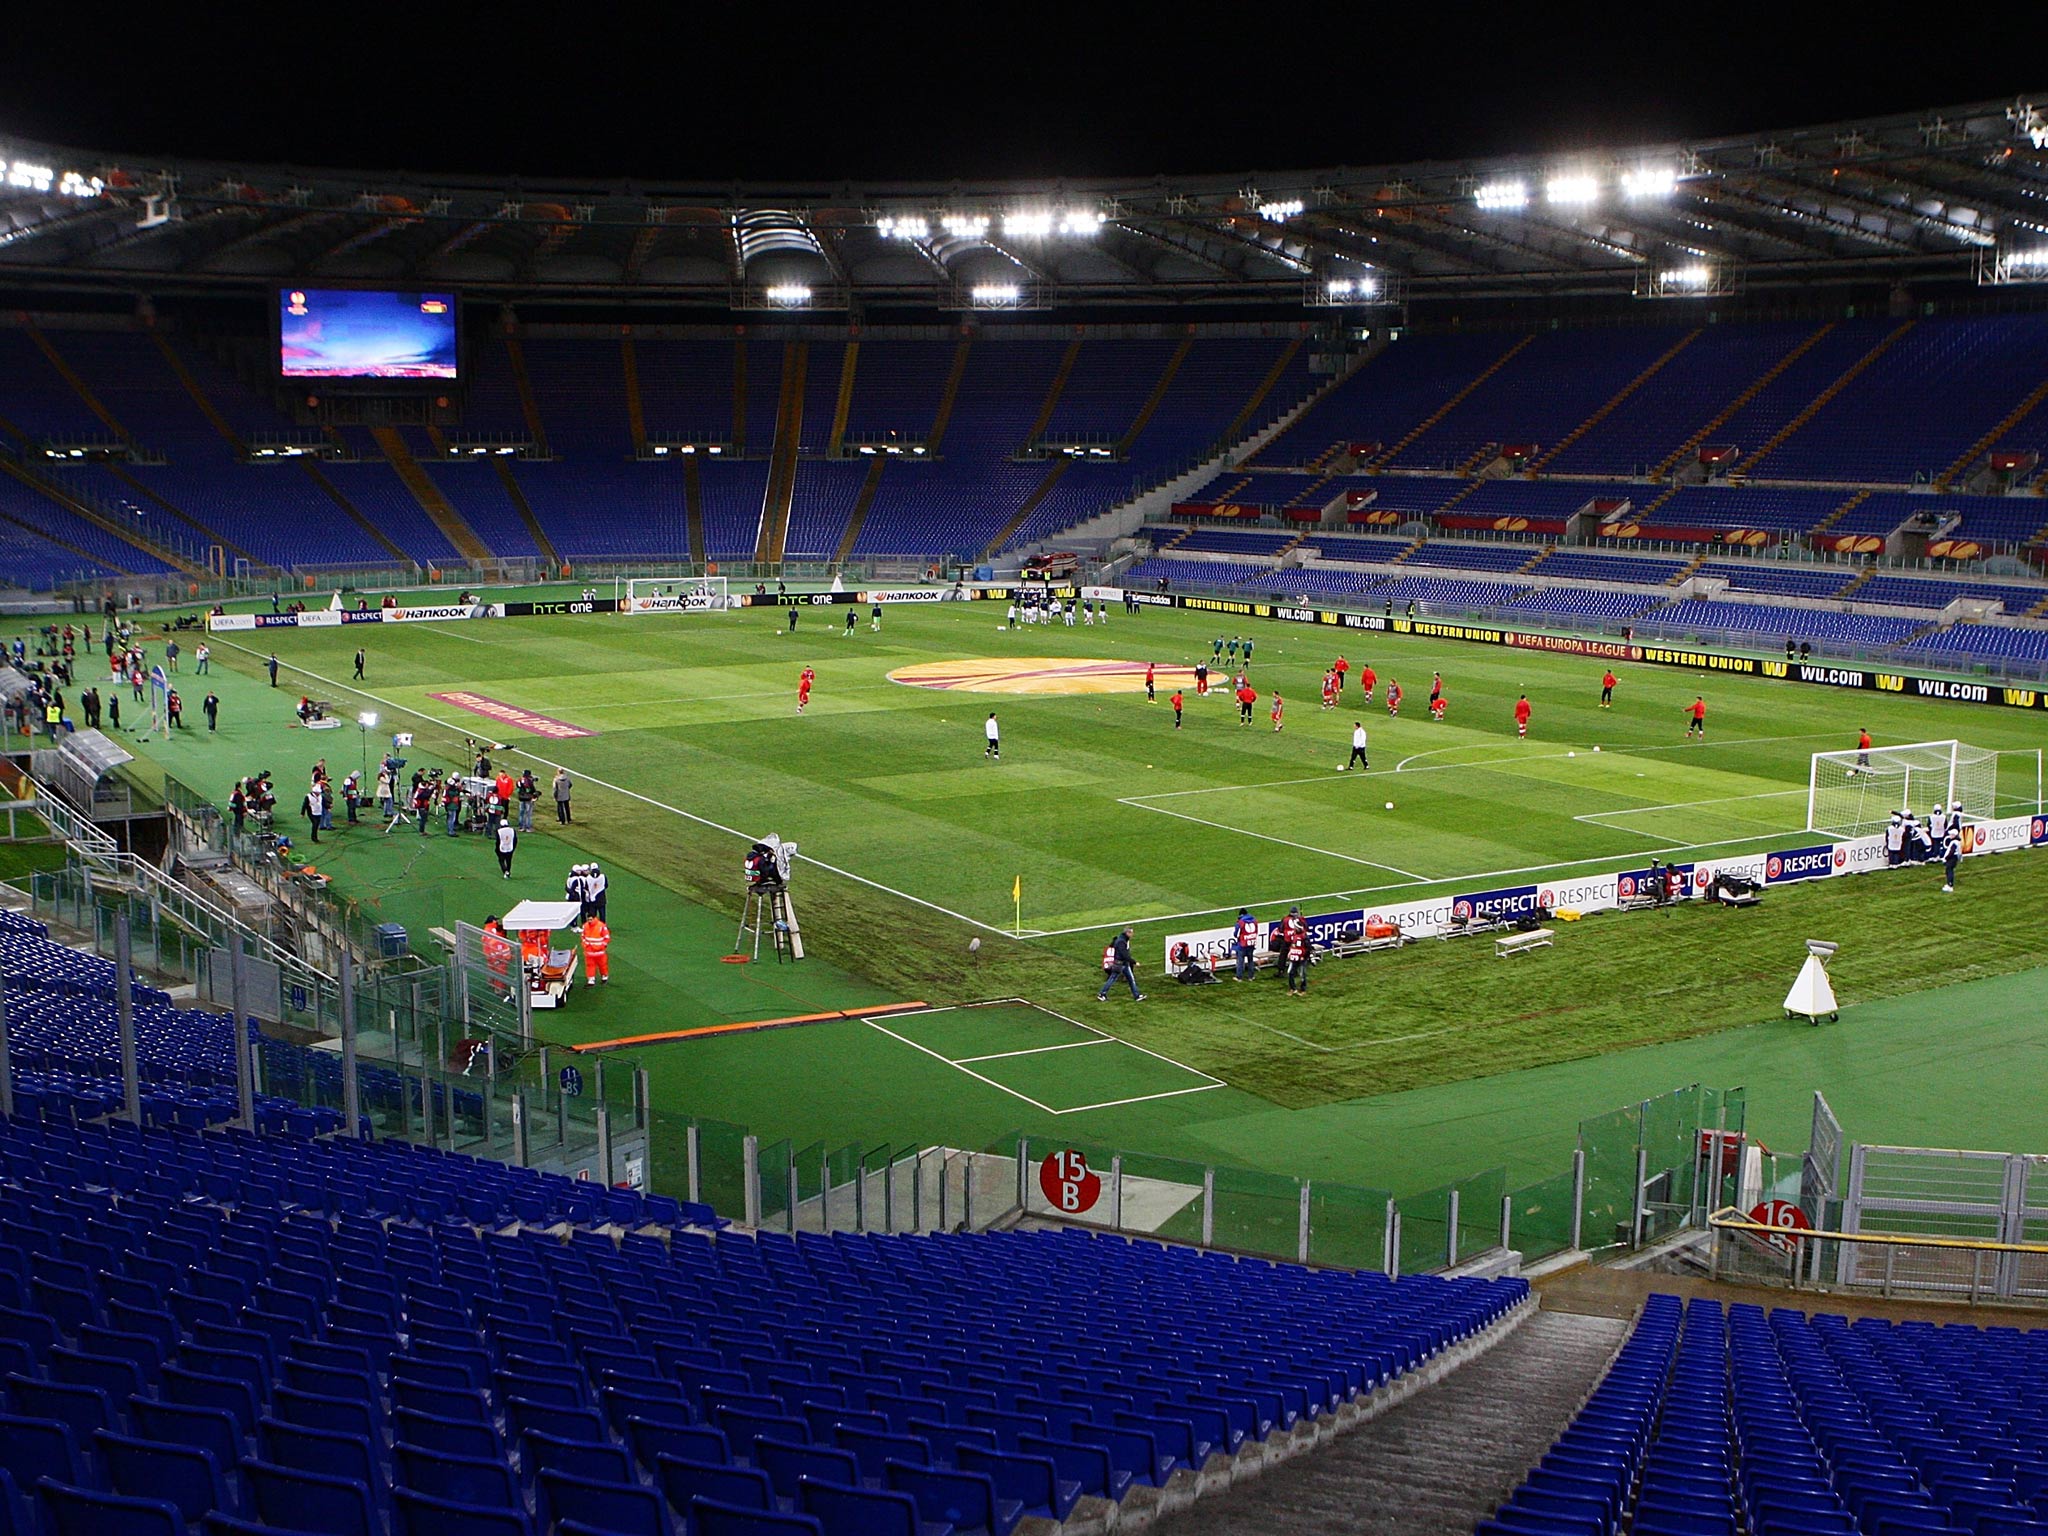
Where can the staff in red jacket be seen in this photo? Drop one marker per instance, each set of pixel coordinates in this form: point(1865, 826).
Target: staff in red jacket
point(1522, 715)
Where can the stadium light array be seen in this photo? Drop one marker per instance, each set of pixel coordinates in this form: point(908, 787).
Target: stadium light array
point(1503, 194)
point(995, 295)
point(1352, 287)
point(1571, 191)
point(1039, 223)
point(903, 226)
point(1281, 212)
point(1649, 181)
point(1693, 277)
point(965, 226)
point(2034, 259)
point(790, 295)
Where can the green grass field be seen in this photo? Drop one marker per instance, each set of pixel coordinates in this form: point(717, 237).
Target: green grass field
point(1107, 814)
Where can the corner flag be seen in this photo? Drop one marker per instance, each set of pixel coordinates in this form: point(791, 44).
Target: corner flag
point(1017, 896)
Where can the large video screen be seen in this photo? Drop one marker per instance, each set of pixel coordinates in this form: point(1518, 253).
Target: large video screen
point(358, 333)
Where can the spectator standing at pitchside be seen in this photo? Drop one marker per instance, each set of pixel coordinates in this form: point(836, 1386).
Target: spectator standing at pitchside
point(508, 841)
point(994, 750)
point(562, 788)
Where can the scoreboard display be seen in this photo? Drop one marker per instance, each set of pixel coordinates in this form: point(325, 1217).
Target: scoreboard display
point(367, 334)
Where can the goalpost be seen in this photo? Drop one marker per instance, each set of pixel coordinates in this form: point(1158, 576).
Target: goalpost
point(1854, 793)
point(675, 594)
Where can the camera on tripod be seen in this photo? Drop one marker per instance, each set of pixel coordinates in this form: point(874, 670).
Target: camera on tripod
point(768, 863)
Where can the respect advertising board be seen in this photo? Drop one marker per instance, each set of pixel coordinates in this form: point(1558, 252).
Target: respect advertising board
point(334, 618)
point(1440, 916)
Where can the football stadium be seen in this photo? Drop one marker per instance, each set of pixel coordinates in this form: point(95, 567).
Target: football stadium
point(1356, 850)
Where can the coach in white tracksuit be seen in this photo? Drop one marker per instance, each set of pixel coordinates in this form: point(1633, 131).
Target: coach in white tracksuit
point(995, 745)
point(1357, 744)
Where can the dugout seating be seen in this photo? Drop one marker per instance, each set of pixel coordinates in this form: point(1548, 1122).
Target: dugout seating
point(206, 1326)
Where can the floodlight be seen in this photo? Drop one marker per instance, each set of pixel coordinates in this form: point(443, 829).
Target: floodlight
point(689, 448)
point(1280, 212)
point(660, 449)
point(1573, 190)
point(714, 448)
point(892, 449)
point(1079, 221)
point(1649, 181)
point(1697, 276)
point(1502, 194)
point(994, 294)
point(367, 720)
point(903, 226)
point(2037, 257)
point(965, 226)
point(1028, 222)
point(792, 294)
point(26, 174)
point(72, 184)
point(868, 448)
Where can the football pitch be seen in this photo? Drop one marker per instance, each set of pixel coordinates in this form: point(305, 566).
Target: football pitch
point(683, 736)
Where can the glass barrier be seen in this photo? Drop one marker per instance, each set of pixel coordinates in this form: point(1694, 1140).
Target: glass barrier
point(771, 1174)
point(1425, 1230)
point(1257, 1213)
point(1540, 1218)
point(1609, 1143)
point(1479, 1200)
point(1347, 1226)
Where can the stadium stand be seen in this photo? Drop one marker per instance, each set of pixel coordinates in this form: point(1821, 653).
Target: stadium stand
point(1854, 629)
point(1452, 555)
point(1979, 640)
point(1577, 565)
point(1195, 573)
point(1591, 602)
point(1388, 397)
point(1778, 578)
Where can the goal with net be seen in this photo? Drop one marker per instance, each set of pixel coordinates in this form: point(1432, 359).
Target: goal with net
point(1854, 793)
point(674, 594)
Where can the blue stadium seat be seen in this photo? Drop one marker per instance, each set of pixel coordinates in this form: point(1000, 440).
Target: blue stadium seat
point(620, 1508)
point(306, 1501)
point(540, 1452)
point(458, 1479)
point(708, 1518)
point(179, 1475)
point(967, 1501)
point(682, 1481)
point(695, 1442)
point(419, 1514)
point(329, 1452)
point(32, 1448)
point(70, 1511)
point(786, 1461)
point(1032, 1481)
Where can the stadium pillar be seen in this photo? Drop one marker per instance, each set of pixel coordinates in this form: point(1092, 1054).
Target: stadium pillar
point(519, 1135)
point(427, 1132)
point(602, 1116)
point(1451, 1229)
point(1578, 1195)
point(1116, 1192)
point(693, 1150)
point(245, 1067)
point(750, 1178)
point(351, 1101)
point(1023, 1174)
point(6, 1060)
point(1302, 1231)
point(124, 1016)
point(1208, 1206)
point(1393, 1241)
point(1507, 1221)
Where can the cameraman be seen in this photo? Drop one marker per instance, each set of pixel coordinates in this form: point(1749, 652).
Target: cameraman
point(1244, 945)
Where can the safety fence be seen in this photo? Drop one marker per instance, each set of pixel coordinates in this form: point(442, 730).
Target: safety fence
point(1888, 1264)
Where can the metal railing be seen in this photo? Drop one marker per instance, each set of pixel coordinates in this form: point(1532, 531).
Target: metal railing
point(1887, 1263)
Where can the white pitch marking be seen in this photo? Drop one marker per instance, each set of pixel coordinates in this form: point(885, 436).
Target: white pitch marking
point(1267, 837)
point(1071, 1045)
point(991, 1082)
point(1143, 1098)
point(1601, 818)
point(660, 805)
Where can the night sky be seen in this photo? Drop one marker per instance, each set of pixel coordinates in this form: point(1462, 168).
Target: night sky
point(766, 92)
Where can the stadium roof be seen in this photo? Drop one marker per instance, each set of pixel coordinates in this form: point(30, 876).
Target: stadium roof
point(1957, 193)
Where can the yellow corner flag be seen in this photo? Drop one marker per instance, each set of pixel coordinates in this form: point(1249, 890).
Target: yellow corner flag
point(1017, 896)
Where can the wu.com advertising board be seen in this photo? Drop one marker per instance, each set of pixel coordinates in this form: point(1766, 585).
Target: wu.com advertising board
point(1440, 915)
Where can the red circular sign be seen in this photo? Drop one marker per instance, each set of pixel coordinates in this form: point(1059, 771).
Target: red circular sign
point(1784, 1215)
point(1070, 1186)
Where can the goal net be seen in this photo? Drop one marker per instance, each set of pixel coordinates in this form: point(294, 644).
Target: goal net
point(1853, 794)
point(675, 594)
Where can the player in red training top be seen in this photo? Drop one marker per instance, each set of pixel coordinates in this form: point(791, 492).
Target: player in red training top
point(1436, 701)
point(1369, 680)
point(1340, 668)
point(1149, 694)
point(1522, 715)
point(1247, 696)
point(1279, 704)
point(1393, 696)
point(803, 688)
point(1329, 690)
point(1607, 682)
point(1696, 718)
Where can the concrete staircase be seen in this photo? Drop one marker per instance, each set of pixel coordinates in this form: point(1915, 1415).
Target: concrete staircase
point(1727, 412)
point(453, 525)
point(1437, 1462)
point(1842, 511)
point(1984, 444)
point(1454, 402)
point(529, 404)
point(1814, 406)
point(1151, 406)
point(636, 414)
point(1617, 397)
point(516, 494)
point(1687, 572)
point(1243, 419)
point(789, 426)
